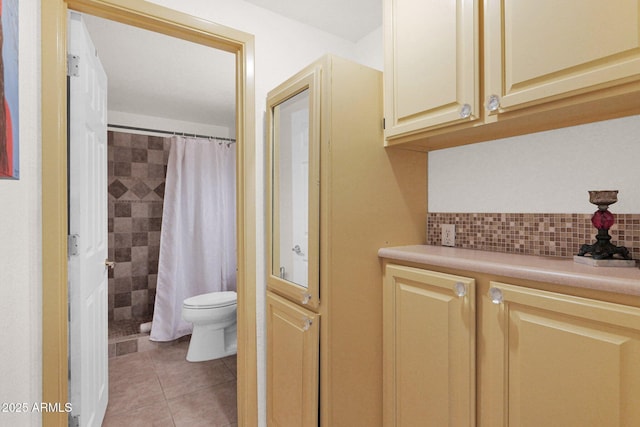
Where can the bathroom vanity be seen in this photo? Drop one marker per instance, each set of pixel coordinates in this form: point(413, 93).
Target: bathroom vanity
point(475, 338)
point(335, 196)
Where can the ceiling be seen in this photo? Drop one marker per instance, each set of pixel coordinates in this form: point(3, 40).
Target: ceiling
point(156, 75)
point(347, 19)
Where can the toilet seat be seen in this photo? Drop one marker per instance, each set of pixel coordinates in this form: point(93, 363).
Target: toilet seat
point(211, 300)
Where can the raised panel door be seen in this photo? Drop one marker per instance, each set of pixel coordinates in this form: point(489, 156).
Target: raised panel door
point(429, 348)
point(431, 64)
point(541, 50)
point(557, 360)
point(293, 335)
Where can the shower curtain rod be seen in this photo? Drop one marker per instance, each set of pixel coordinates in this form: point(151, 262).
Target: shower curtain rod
point(167, 132)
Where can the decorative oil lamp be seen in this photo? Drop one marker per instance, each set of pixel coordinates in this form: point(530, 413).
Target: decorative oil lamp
point(603, 220)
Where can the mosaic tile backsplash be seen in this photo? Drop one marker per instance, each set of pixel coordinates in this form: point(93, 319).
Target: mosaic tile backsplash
point(137, 170)
point(559, 235)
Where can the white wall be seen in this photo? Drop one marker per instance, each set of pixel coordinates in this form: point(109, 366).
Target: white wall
point(20, 241)
point(546, 172)
point(369, 50)
point(161, 123)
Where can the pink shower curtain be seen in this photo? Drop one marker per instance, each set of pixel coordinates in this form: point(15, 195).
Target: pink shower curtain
point(197, 241)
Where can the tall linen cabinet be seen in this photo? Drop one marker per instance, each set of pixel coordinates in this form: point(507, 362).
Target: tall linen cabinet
point(335, 196)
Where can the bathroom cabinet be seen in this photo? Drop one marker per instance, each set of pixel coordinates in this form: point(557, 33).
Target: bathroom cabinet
point(429, 348)
point(541, 357)
point(293, 371)
point(335, 195)
point(468, 71)
point(431, 65)
point(554, 359)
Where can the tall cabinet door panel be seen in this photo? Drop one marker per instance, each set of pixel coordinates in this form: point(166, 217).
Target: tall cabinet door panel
point(293, 190)
point(293, 335)
point(558, 360)
point(431, 64)
point(537, 50)
point(429, 348)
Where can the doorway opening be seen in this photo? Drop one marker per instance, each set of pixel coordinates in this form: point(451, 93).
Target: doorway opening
point(166, 21)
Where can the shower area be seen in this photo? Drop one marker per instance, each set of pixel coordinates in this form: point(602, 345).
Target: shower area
point(137, 172)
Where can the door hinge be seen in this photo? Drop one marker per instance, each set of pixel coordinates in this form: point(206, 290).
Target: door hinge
point(73, 65)
point(74, 420)
point(72, 244)
point(384, 124)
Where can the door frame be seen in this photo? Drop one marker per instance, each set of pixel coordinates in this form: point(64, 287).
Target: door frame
point(54, 183)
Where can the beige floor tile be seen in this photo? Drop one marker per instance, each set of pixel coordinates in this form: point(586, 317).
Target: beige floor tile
point(210, 406)
point(160, 387)
point(174, 353)
point(231, 363)
point(182, 377)
point(139, 391)
point(155, 415)
point(123, 366)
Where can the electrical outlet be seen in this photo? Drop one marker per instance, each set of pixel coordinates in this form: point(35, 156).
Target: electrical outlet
point(448, 234)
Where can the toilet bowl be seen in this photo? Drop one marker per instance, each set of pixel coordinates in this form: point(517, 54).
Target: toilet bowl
point(214, 325)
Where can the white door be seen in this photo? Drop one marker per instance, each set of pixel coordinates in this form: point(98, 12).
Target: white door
point(88, 350)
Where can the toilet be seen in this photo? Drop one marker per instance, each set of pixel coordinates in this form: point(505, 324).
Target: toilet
point(214, 325)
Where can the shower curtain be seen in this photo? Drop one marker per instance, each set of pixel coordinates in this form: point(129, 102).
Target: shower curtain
point(197, 239)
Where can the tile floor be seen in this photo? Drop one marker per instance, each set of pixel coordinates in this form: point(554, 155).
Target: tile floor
point(160, 388)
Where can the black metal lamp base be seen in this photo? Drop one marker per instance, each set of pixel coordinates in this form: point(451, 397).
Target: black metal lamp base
point(603, 248)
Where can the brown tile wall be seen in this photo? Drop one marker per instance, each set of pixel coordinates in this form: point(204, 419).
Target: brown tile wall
point(137, 170)
point(559, 235)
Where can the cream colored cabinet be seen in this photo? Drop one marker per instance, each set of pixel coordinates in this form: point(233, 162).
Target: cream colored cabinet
point(294, 184)
point(539, 358)
point(293, 334)
point(544, 65)
point(429, 348)
point(558, 360)
point(537, 51)
point(334, 197)
point(431, 64)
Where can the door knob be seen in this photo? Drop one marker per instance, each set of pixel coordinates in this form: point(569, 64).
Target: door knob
point(110, 264)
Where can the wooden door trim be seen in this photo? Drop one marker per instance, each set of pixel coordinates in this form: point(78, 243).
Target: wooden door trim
point(54, 183)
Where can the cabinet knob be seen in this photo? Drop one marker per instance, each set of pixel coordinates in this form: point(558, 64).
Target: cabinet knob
point(460, 289)
point(495, 295)
point(493, 103)
point(465, 111)
point(307, 324)
point(306, 297)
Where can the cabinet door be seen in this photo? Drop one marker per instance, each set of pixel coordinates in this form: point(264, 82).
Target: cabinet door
point(293, 335)
point(431, 64)
point(293, 189)
point(557, 360)
point(429, 348)
point(538, 50)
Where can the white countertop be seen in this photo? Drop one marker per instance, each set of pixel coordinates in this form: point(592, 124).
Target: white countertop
point(561, 271)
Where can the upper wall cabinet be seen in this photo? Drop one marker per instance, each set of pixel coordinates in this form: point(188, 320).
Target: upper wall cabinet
point(537, 51)
point(431, 64)
point(544, 65)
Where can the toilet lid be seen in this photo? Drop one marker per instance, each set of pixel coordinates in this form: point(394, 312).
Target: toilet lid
point(212, 299)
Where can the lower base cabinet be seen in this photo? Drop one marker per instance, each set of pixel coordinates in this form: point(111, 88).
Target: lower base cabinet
point(428, 348)
point(558, 360)
point(540, 358)
point(293, 334)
